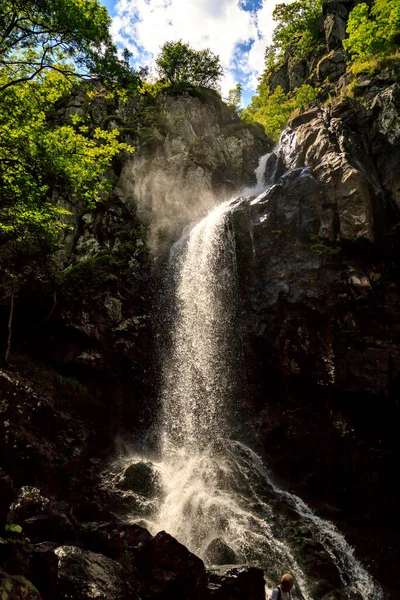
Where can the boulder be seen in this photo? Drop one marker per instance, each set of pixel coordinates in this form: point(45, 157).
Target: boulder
point(15, 587)
point(140, 477)
point(52, 526)
point(86, 575)
point(219, 553)
point(44, 568)
point(29, 503)
point(112, 539)
point(166, 569)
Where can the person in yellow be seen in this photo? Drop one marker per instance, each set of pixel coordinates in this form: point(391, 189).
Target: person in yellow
point(283, 591)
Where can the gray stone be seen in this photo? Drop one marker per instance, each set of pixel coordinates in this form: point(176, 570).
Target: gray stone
point(87, 575)
point(219, 553)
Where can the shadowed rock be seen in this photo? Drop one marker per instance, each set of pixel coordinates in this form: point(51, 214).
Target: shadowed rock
point(219, 553)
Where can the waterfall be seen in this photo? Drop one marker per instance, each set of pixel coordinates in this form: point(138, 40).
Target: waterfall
point(218, 497)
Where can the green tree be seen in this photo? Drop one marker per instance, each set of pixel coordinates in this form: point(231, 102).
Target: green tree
point(179, 63)
point(66, 35)
point(45, 49)
point(375, 31)
point(235, 97)
point(298, 28)
point(273, 110)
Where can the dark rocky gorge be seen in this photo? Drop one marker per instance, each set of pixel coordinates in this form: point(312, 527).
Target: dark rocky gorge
point(319, 324)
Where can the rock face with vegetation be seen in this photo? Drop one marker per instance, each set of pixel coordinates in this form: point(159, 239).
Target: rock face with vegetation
point(82, 370)
point(318, 283)
point(321, 317)
point(192, 148)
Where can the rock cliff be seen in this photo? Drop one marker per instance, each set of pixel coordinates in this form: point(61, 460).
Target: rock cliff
point(320, 315)
point(84, 370)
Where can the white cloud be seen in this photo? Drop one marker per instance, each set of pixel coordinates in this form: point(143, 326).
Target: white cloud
point(237, 36)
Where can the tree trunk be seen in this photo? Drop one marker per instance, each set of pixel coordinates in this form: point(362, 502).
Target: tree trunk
point(54, 304)
point(10, 318)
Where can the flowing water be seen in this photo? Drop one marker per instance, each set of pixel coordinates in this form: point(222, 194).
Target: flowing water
point(217, 495)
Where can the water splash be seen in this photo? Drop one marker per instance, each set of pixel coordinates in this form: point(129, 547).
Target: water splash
point(215, 488)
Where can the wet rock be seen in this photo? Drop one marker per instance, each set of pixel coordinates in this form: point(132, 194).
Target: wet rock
point(85, 575)
point(53, 526)
point(28, 503)
point(112, 539)
point(319, 287)
point(166, 569)
point(43, 568)
point(15, 587)
point(219, 553)
point(141, 478)
point(238, 583)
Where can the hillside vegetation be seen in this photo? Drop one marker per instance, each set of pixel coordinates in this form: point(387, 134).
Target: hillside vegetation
point(312, 48)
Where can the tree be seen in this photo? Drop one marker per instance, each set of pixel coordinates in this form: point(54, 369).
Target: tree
point(297, 28)
point(273, 110)
point(46, 47)
point(373, 32)
point(179, 63)
point(235, 97)
point(71, 36)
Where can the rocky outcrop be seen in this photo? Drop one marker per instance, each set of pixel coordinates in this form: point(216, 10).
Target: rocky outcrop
point(193, 142)
point(320, 315)
point(85, 575)
point(83, 370)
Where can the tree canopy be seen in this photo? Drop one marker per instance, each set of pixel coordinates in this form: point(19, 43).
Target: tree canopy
point(179, 63)
point(48, 162)
point(297, 28)
point(235, 97)
point(71, 36)
point(374, 31)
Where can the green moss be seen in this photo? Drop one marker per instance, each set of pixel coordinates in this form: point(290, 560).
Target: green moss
point(322, 249)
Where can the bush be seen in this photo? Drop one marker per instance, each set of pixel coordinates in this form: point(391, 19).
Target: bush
point(273, 110)
point(179, 63)
point(375, 31)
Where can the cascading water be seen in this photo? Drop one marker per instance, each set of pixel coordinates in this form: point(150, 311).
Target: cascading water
point(217, 496)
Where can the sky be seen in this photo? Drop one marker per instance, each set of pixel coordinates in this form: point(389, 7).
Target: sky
point(238, 31)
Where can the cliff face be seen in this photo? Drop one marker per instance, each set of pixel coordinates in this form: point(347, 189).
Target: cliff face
point(318, 282)
point(84, 370)
point(320, 314)
point(192, 150)
point(86, 339)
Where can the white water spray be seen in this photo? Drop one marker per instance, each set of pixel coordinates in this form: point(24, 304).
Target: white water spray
point(214, 488)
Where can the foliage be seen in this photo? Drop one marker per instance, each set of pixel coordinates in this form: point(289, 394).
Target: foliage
point(374, 31)
point(297, 29)
point(13, 528)
point(179, 63)
point(235, 97)
point(40, 163)
point(273, 110)
point(64, 35)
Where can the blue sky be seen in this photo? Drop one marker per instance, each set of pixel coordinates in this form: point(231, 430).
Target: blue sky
point(238, 31)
